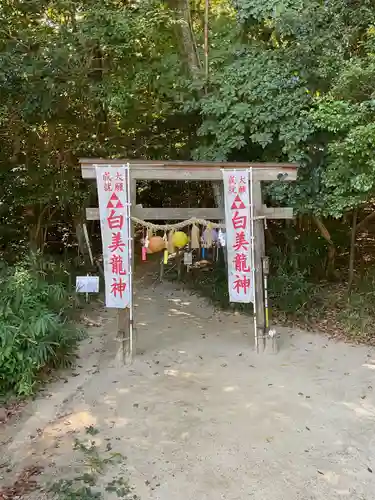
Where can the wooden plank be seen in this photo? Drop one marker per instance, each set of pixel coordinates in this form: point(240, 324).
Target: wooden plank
point(166, 213)
point(197, 173)
point(184, 164)
point(277, 213)
point(213, 214)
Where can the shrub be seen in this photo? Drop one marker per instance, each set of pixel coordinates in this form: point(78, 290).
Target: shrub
point(35, 329)
point(290, 291)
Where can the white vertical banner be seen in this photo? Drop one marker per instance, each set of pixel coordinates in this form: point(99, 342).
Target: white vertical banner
point(112, 184)
point(239, 238)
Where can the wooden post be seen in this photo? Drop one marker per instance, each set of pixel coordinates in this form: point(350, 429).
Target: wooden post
point(133, 201)
point(123, 334)
point(218, 189)
point(259, 254)
point(179, 264)
point(125, 324)
point(161, 275)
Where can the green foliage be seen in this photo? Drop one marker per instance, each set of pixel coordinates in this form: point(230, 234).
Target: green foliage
point(258, 97)
point(347, 114)
point(288, 80)
point(35, 331)
point(296, 293)
point(292, 290)
point(86, 78)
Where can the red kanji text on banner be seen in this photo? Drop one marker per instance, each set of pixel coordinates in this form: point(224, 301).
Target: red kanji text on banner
point(112, 194)
point(239, 240)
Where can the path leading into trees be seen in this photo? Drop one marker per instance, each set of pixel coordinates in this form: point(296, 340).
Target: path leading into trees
point(201, 416)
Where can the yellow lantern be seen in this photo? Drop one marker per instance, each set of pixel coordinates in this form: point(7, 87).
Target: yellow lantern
point(156, 244)
point(179, 239)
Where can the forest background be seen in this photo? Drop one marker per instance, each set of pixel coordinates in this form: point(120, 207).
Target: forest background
point(285, 80)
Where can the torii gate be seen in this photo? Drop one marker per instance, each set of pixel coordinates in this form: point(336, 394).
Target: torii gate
point(202, 171)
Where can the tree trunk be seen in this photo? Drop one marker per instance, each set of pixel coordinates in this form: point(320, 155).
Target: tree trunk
point(36, 233)
point(186, 35)
point(78, 227)
point(352, 250)
point(292, 245)
point(330, 268)
point(362, 224)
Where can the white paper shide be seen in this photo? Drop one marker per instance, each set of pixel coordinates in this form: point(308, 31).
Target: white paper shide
point(238, 235)
point(112, 183)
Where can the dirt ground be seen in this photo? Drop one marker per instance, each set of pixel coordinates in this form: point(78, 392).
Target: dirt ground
point(201, 416)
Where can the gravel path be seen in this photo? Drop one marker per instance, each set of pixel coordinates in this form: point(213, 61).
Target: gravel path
point(201, 416)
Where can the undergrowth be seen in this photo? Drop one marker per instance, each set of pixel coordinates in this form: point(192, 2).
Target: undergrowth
point(295, 299)
point(36, 331)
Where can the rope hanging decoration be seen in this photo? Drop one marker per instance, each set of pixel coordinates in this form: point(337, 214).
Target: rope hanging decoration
point(202, 241)
point(210, 238)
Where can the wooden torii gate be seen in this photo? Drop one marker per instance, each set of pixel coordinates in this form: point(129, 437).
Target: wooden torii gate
point(203, 171)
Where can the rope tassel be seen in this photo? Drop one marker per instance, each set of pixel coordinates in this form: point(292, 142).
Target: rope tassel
point(194, 243)
point(170, 245)
point(208, 236)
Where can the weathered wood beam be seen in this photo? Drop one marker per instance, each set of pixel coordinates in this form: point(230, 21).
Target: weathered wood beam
point(197, 172)
point(187, 213)
point(185, 164)
point(277, 213)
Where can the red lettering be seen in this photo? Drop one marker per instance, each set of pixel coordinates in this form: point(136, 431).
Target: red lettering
point(241, 242)
point(241, 283)
point(239, 221)
point(117, 264)
point(117, 243)
point(115, 221)
point(240, 263)
point(119, 186)
point(107, 179)
point(118, 287)
point(232, 189)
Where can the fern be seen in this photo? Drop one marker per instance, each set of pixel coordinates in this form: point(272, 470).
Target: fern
point(35, 329)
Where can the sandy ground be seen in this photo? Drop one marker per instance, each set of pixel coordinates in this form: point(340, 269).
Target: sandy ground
point(201, 416)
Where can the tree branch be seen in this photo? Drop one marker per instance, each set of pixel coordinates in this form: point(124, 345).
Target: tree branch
point(364, 221)
point(323, 230)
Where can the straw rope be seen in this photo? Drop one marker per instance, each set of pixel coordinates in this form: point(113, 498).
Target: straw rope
point(177, 225)
point(182, 224)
